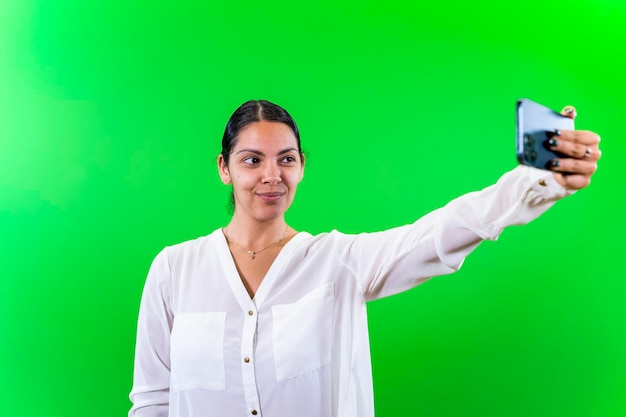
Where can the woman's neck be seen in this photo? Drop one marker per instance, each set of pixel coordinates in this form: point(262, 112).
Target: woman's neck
point(253, 234)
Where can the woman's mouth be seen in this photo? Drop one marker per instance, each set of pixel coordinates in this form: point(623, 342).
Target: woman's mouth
point(270, 197)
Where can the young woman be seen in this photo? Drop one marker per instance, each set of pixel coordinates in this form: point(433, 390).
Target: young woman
point(257, 319)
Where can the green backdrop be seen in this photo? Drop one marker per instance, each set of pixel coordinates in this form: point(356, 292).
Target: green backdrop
point(111, 115)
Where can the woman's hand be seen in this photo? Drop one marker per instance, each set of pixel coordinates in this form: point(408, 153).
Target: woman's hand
point(583, 148)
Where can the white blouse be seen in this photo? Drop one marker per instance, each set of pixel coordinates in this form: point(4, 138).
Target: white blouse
point(300, 347)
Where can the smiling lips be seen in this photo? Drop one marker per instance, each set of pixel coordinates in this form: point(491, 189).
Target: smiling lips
point(270, 197)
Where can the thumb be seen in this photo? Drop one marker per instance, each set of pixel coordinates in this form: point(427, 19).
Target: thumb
point(569, 111)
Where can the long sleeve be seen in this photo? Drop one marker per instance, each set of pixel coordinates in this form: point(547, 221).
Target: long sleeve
point(150, 393)
point(395, 260)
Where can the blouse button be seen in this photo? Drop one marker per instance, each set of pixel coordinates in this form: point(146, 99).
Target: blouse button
point(250, 313)
point(254, 412)
point(246, 359)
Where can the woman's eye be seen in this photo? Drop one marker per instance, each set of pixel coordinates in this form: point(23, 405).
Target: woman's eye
point(251, 160)
point(289, 159)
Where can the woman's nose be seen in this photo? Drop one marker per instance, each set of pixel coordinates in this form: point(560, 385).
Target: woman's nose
point(271, 174)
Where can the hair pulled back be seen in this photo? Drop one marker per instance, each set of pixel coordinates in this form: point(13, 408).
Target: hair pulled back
point(255, 111)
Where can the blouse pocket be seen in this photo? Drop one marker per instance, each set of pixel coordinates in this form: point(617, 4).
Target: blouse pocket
point(197, 351)
point(302, 333)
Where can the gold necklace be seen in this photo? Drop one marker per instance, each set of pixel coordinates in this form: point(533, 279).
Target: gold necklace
point(251, 253)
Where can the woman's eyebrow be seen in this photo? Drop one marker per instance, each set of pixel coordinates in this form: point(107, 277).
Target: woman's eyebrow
point(254, 151)
point(287, 151)
point(257, 152)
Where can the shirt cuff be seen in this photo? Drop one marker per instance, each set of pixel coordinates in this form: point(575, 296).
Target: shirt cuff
point(543, 185)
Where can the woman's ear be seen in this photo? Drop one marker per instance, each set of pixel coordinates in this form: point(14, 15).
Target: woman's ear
point(303, 159)
point(222, 168)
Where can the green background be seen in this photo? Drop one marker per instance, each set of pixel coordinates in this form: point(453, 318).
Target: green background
point(111, 115)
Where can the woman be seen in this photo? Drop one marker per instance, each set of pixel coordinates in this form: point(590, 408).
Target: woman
point(258, 319)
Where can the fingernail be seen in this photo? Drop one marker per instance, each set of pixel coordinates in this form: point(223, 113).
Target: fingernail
point(555, 132)
point(569, 110)
point(553, 142)
point(555, 163)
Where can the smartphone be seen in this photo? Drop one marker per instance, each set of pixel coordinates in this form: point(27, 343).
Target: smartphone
point(536, 124)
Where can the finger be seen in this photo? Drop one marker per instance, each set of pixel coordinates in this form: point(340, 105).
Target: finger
point(584, 137)
point(572, 182)
point(575, 150)
point(569, 111)
point(574, 166)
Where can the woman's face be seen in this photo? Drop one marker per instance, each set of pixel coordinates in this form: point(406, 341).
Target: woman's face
point(264, 168)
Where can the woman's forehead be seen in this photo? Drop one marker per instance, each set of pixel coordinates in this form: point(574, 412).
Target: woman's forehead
point(266, 134)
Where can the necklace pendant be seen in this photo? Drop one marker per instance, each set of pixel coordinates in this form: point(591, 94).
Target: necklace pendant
point(252, 255)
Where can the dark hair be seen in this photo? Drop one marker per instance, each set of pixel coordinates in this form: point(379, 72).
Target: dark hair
point(255, 111)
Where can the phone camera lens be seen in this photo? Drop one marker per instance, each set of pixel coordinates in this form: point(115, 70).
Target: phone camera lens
point(530, 148)
point(530, 155)
point(528, 140)
point(533, 155)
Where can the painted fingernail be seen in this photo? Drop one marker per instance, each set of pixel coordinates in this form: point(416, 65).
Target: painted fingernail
point(553, 142)
point(553, 133)
point(554, 163)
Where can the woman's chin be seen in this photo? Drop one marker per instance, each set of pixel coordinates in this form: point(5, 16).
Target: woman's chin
point(270, 213)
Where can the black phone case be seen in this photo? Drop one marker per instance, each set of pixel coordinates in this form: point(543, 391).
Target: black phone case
point(536, 124)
